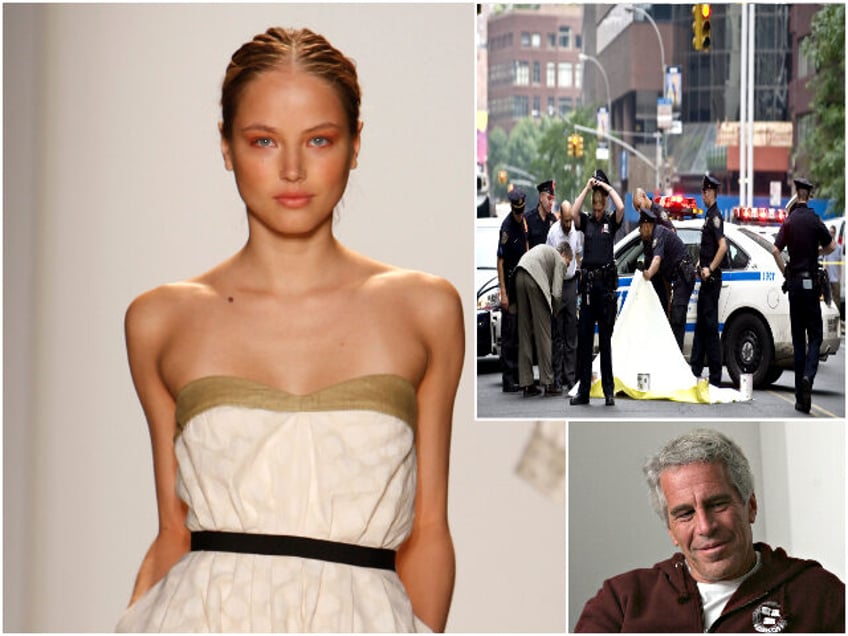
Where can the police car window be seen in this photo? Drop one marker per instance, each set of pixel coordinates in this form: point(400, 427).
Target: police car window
point(628, 256)
point(692, 239)
point(735, 258)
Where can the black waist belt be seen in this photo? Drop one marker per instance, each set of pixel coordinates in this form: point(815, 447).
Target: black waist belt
point(287, 545)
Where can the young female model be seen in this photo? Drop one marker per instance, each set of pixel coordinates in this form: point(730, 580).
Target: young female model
point(299, 395)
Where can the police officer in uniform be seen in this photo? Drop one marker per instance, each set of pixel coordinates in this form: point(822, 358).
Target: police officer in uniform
point(805, 237)
point(710, 256)
point(641, 201)
point(512, 246)
point(669, 260)
point(541, 218)
point(598, 284)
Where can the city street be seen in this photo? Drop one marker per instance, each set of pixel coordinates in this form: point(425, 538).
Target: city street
point(775, 402)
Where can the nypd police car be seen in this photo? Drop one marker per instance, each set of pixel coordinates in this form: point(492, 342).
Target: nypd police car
point(753, 310)
point(487, 286)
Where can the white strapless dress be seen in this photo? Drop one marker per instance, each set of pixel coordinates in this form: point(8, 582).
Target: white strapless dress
point(338, 464)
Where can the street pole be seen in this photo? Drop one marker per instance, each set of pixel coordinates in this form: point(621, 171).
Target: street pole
point(633, 8)
point(583, 57)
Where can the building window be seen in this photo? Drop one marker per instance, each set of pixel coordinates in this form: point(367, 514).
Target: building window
point(537, 73)
point(522, 73)
point(805, 64)
point(551, 74)
point(536, 105)
point(578, 75)
point(578, 41)
point(551, 40)
point(520, 106)
point(536, 40)
point(551, 106)
point(565, 73)
point(565, 106)
point(565, 37)
point(525, 39)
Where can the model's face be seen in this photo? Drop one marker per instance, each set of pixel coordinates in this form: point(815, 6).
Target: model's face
point(709, 196)
point(291, 151)
point(546, 200)
point(709, 522)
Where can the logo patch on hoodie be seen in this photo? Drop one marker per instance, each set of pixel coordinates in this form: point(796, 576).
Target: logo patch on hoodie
point(768, 618)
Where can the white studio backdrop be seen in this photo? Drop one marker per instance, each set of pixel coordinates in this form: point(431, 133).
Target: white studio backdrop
point(114, 184)
point(799, 480)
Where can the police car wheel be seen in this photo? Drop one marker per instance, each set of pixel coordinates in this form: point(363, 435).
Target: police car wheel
point(773, 375)
point(748, 349)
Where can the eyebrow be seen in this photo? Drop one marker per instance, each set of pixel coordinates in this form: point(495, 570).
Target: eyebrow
point(723, 497)
point(266, 128)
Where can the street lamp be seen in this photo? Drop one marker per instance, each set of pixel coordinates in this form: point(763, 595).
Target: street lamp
point(632, 9)
point(583, 57)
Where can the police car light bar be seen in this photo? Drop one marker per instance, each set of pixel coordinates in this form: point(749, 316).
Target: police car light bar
point(759, 215)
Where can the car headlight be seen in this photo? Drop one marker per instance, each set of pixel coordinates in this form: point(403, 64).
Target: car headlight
point(489, 300)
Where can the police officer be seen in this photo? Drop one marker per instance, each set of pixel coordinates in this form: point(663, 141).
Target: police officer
point(512, 246)
point(641, 201)
point(805, 237)
point(710, 255)
point(598, 284)
point(669, 261)
point(541, 218)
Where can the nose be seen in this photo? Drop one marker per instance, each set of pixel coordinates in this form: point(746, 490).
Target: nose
point(704, 522)
point(292, 168)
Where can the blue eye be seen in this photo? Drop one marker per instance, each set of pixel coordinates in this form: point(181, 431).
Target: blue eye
point(319, 142)
point(263, 142)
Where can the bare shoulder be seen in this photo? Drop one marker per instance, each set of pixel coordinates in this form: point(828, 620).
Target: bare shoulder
point(426, 292)
point(154, 314)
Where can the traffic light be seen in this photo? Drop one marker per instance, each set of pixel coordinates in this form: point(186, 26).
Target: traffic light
point(701, 27)
point(571, 145)
point(578, 146)
point(502, 177)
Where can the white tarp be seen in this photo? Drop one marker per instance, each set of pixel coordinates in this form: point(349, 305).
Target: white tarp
point(643, 344)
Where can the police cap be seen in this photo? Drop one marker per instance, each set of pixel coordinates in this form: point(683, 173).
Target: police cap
point(516, 198)
point(710, 183)
point(600, 175)
point(647, 216)
point(801, 183)
point(546, 186)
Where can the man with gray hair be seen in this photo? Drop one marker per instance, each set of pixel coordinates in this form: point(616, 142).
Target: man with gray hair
point(702, 487)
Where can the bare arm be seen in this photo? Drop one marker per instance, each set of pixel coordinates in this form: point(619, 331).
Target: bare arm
point(145, 329)
point(717, 259)
point(502, 284)
point(652, 270)
point(425, 562)
point(778, 258)
point(619, 204)
point(578, 204)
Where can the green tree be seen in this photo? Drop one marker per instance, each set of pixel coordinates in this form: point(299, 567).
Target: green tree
point(825, 146)
point(552, 158)
point(518, 149)
point(497, 140)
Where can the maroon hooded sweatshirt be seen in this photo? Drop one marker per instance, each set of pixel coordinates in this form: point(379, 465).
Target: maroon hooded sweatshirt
point(784, 595)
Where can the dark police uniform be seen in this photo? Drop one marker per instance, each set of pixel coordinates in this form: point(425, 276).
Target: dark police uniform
point(537, 227)
point(676, 268)
point(706, 342)
point(802, 234)
point(598, 305)
point(511, 247)
point(660, 283)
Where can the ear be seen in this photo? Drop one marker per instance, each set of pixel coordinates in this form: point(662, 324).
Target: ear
point(752, 508)
point(225, 148)
point(354, 161)
point(673, 540)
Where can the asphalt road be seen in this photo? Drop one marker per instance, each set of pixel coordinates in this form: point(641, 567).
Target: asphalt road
point(775, 402)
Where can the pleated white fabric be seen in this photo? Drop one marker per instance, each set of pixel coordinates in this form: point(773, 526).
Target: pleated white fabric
point(338, 464)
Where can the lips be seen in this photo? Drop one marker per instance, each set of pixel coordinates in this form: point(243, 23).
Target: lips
point(293, 199)
point(712, 549)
